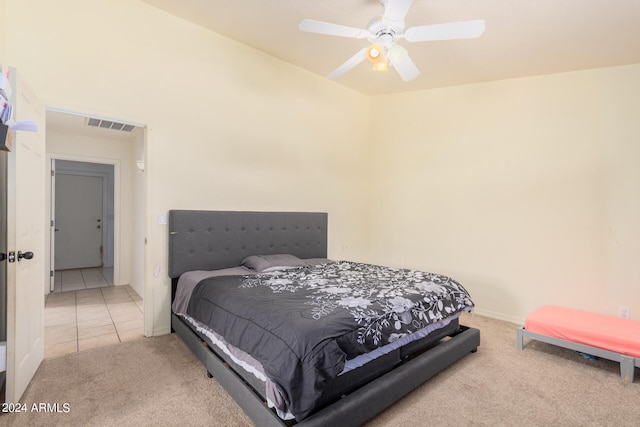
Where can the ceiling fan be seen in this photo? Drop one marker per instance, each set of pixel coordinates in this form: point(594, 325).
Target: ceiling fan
point(384, 31)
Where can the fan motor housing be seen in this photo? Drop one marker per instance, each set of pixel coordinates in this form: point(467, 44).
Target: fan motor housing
point(379, 27)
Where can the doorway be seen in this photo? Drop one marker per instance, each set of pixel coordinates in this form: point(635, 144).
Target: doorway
point(96, 292)
point(83, 198)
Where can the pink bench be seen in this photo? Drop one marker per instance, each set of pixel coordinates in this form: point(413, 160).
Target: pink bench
point(599, 335)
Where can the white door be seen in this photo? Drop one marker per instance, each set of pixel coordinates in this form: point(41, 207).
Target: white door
point(25, 233)
point(78, 221)
point(52, 229)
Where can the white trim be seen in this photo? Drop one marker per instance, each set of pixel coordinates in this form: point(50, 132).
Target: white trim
point(148, 297)
point(116, 201)
point(499, 316)
point(105, 203)
point(52, 226)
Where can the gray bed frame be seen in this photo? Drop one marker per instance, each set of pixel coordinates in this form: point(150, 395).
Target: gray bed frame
point(209, 240)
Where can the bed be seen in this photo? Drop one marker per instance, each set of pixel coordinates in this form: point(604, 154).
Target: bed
point(221, 258)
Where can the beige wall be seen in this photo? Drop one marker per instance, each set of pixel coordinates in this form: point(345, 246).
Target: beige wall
point(228, 127)
point(3, 29)
point(526, 190)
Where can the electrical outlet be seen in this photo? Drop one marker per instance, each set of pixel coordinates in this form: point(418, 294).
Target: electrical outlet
point(623, 312)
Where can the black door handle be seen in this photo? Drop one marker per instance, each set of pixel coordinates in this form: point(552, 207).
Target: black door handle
point(26, 255)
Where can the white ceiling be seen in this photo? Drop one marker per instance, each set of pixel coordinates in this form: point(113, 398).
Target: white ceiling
point(522, 37)
point(76, 124)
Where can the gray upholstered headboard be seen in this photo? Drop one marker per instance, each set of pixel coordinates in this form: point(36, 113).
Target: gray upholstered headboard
point(210, 240)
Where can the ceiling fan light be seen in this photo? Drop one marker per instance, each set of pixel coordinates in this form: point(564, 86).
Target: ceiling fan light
point(397, 54)
point(381, 65)
point(374, 53)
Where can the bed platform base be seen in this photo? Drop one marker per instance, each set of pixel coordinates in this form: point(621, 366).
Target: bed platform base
point(627, 363)
point(353, 409)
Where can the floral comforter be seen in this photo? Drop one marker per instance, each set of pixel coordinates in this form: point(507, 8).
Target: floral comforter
point(302, 324)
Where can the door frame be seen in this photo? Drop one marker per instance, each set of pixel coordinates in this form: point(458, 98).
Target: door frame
point(51, 158)
point(104, 211)
point(142, 156)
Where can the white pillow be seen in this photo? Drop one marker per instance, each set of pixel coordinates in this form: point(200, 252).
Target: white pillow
point(261, 263)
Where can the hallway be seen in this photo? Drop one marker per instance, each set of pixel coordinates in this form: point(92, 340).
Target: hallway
point(87, 318)
point(83, 278)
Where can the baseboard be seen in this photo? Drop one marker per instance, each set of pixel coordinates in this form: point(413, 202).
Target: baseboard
point(161, 331)
point(499, 316)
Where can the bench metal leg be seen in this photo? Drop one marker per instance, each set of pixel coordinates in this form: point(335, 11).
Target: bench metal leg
point(627, 366)
point(519, 339)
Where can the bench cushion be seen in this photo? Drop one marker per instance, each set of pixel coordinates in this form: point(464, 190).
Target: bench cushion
point(597, 330)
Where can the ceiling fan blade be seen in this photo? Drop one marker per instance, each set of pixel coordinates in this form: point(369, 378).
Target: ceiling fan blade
point(450, 31)
point(312, 26)
point(399, 58)
point(351, 63)
point(396, 10)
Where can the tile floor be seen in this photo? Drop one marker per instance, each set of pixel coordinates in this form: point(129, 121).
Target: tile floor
point(77, 320)
point(85, 278)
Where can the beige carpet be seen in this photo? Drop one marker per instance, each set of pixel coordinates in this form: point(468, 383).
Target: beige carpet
point(157, 381)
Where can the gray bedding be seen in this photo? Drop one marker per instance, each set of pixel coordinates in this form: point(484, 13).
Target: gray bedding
point(303, 324)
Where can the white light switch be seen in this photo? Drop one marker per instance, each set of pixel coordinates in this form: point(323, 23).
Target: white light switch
point(163, 219)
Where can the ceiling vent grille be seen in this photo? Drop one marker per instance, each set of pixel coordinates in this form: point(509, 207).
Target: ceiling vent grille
point(108, 124)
